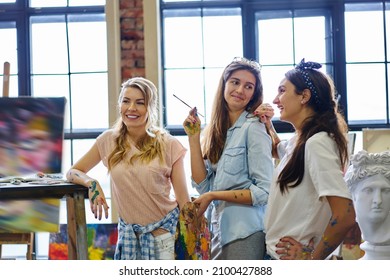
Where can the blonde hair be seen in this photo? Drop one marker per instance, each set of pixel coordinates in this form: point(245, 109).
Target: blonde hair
point(150, 146)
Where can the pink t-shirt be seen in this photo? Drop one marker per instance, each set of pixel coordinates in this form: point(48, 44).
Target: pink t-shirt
point(142, 192)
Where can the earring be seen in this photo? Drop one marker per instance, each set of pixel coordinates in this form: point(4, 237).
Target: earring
point(302, 102)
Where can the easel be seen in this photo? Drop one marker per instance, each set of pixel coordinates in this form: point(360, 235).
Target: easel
point(15, 238)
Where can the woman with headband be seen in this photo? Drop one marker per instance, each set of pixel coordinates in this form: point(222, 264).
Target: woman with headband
point(309, 209)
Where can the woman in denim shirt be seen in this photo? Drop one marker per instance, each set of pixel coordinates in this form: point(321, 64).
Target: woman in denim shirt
point(232, 168)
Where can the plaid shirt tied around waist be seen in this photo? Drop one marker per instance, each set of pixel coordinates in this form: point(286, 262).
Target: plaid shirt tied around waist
point(126, 248)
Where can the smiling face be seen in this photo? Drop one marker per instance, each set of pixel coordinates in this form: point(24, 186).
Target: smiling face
point(133, 108)
point(239, 90)
point(288, 102)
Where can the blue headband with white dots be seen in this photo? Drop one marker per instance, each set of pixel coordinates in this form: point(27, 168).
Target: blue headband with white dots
point(302, 67)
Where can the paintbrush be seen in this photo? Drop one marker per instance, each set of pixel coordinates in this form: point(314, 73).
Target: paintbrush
point(187, 105)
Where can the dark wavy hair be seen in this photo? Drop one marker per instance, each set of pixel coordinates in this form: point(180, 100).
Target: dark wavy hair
point(326, 117)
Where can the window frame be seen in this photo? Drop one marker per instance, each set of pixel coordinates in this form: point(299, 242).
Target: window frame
point(20, 12)
point(337, 54)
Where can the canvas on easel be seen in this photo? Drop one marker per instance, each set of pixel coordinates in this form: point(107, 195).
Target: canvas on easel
point(31, 142)
point(31, 135)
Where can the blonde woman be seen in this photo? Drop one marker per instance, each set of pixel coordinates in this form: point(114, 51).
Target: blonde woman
point(144, 163)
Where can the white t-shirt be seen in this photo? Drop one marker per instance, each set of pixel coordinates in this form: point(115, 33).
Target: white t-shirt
point(303, 212)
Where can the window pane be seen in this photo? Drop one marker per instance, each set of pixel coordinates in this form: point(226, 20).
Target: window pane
point(202, 36)
point(87, 41)
point(271, 51)
point(291, 43)
point(13, 85)
point(183, 39)
point(361, 108)
point(200, 94)
point(87, 2)
point(53, 86)
point(196, 59)
point(8, 53)
point(310, 39)
point(177, 82)
point(364, 35)
point(388, 98)
point(222, 28)
point(63, 3)
point(45, 3)
point(212, 77)
point(49, 45)
point(89, 101)
point(80, 147)
point(278, 54)
point(387, 15)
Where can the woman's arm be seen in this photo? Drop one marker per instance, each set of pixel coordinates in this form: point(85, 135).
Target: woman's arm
point(236, 196)
point(275, 138)
point(192, 126)
point(77, 174)
point(342, 220)
point(179, 183)
point(265, 112)
point(260, 163)
point(259, 172)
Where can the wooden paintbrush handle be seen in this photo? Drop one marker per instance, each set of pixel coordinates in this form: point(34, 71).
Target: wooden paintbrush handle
point(6, 75)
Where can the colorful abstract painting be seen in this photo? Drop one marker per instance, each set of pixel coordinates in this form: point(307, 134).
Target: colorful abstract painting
point(192, 235)
point(42, 215)
point(31, 135)
point(101, 240)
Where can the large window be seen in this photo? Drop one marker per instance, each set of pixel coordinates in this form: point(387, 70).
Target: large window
point(350, 39)
point(59, 49)
point(283, 40)
point(367, 63)
point(193, 60)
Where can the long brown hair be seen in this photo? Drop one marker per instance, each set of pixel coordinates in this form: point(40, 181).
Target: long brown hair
point(326, 117)
point(216, 131)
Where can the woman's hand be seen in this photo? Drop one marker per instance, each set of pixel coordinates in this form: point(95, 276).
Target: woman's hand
point(97, 200)
point(290, 249)
point(202, 202)
point(265, 112)
point(192, 123)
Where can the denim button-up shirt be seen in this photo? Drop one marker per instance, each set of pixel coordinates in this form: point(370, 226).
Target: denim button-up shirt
point(246, 163)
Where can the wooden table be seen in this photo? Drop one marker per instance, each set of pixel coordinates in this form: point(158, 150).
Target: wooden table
point(76, 221)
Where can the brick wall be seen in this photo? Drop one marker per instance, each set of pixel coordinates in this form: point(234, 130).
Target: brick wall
point(132, 39)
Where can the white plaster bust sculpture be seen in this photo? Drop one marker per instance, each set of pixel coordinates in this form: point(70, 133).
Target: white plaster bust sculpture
point(368, 178)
